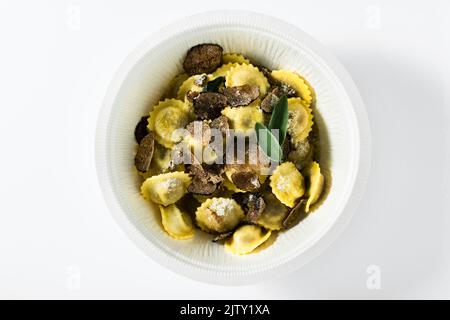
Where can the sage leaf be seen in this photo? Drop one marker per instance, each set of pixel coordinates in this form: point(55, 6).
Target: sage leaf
point(214, 85)
point(279, 118)
point(268, 142)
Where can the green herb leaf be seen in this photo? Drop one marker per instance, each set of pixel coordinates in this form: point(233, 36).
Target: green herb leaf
point(279, 118)
point(214, 85)
point(268, 142)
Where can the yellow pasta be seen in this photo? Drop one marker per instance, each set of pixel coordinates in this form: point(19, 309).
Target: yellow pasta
point(230, 169)
point(234, 58)
point(300, 120)
point(166, 188)
point(247, 74)
point(168, 116)
point(243, 119)
point(287, 184)
point(316, 181)
point(223, 70)
point(296, 82)
point(246, 239)
point(274, 214)
point(177, 224)
point(189, 85)
point(219, 215)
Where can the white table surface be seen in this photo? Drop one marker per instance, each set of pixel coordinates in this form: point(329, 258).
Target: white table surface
point(57, 238)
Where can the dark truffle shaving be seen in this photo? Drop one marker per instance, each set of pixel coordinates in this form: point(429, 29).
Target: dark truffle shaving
point(141, 129)
point(296, 215)
point(252, 203)
point(203, 58)
point(144, 154)
point(241, 95)
point(208, 105)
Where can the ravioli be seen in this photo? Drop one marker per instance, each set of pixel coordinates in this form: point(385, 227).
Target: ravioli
point(243, 119)
point(316, 181)
point(223, 70)
point(234, 58)
point(219, 215)
point(247, 74)
point(237, 168)
point(177, 224)
point(295, 81)
point(190, 84)
point(246, 239)
point(167, 117)
point(274, 214)
point(166, 188)
point(287, 184)
point(300, 120)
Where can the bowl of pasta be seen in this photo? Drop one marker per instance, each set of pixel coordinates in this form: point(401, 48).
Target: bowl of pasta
point(232, 147)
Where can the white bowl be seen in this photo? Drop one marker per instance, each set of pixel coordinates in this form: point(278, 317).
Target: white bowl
point(138, 85)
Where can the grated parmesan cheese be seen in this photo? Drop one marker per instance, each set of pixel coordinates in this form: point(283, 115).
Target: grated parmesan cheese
point(169, 184)
point(220, 207)
point(282, 183)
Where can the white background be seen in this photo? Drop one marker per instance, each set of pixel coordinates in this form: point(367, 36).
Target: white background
point(57, 238)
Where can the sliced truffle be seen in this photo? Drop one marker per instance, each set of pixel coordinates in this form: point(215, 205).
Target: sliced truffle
point(214, 172)
point(206, 180)
point(252, 203)
point(285, 88)
point(201, 186)
point(246, 180)
point(222, 236)
point(144, 154)
point(296, 215)
point(209, 105)
point(271, 99)
point(286, 147)
point(301, 153)
point(141, 129)
point(267, 73)
point(191, 95)
point(203, 58)
point(196, 169)
point(221, 123)
point(241, 95)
